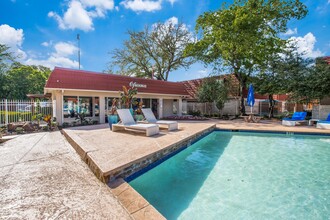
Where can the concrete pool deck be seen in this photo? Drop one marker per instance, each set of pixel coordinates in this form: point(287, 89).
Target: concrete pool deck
point(41, 176)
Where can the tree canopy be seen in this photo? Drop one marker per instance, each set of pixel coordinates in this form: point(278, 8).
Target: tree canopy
point(213, 90)
point(154, 52)
point(20, 80)
point(243, 36)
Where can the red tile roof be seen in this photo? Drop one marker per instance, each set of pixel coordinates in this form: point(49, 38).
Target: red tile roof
point(327, 59)
point(62, 78)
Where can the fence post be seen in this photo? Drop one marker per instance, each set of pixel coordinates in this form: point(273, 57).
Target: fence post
point(6, 112)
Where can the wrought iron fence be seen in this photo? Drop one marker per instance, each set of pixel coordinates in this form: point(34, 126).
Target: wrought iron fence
point(12, 111)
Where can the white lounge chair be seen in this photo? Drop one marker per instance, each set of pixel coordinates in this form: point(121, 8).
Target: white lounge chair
point(296, 119)
point(150, 118)
point(325, 124)
point(128, 123)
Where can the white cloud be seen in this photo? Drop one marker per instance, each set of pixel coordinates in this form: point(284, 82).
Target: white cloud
point(306, 45)
point(10, 36)
point(172, 20)
point(60, 57)
point(291, 32)
point(142, 5)
point(52, 61)
point(65, 49)
point(328, 1)
point(47, 44)
point(172, 1)
point(202, 73)
point(13, 38)
point(76, 17)
point(100, 6)
point(80, 14)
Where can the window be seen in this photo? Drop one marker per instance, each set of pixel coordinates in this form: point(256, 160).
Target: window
point(97, 106)
point(85, 106)
point(70, 106)
point(146, 103)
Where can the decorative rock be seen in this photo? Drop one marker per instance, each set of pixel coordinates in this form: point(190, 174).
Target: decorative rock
point(11, 127)
point(28, 127)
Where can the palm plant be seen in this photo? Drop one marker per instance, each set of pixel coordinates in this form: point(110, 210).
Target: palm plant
point(127, 96)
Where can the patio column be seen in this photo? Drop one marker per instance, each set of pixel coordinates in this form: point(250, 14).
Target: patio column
point(160, 108)
point(102, 109)
point(59, 107)
point(180, 107)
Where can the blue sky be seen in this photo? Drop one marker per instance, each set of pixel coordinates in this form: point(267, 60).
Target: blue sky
point(44, 32)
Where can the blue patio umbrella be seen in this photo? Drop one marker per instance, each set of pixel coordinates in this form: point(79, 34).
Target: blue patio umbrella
point(250, 97)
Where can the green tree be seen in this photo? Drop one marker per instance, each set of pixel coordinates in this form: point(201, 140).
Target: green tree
point(244, 35)
point(293, 74)
point(320, 79)
point(154, 51)
point(6, 57)
point(307, 81)
point(22, 80)
point(212, 91)
point(269, 81)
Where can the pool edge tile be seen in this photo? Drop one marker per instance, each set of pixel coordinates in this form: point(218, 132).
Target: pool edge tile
point(136, 205)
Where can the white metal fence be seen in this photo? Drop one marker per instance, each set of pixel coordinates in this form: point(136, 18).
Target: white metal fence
point(12, 111)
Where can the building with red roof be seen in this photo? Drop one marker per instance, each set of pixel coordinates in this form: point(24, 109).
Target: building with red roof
point(74, 90)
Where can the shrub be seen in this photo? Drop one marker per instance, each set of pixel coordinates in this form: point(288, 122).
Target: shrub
point(194, 113)
point(19, 130)
point(65, 124)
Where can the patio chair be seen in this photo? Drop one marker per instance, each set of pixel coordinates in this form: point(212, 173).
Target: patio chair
point(128, 123)
point(296, 119)
point(325, 124)
point(150, 118)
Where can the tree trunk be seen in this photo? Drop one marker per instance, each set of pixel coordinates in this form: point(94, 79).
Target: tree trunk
point(242, 105)
point(271, 106)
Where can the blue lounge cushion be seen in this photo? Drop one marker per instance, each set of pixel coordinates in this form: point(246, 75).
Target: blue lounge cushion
point(326, 120)
point(297, 116)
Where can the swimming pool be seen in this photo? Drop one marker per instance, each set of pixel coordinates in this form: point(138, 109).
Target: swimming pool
point(243, 175)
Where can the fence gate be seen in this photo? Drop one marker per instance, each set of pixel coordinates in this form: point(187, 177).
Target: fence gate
point(21, 110)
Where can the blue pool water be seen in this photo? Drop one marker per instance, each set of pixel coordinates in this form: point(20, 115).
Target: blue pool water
point(234, 175)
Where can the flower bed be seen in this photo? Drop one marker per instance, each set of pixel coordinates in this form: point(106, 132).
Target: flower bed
point(185, 117)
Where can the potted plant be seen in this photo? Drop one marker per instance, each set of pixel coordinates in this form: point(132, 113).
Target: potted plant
point(138, 111)
point(112, 117)
point(127, 97)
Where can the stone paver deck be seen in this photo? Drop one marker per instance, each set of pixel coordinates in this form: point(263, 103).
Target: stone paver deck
point(109, 153)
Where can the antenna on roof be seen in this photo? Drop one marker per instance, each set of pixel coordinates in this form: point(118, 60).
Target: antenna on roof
point(78, 39)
